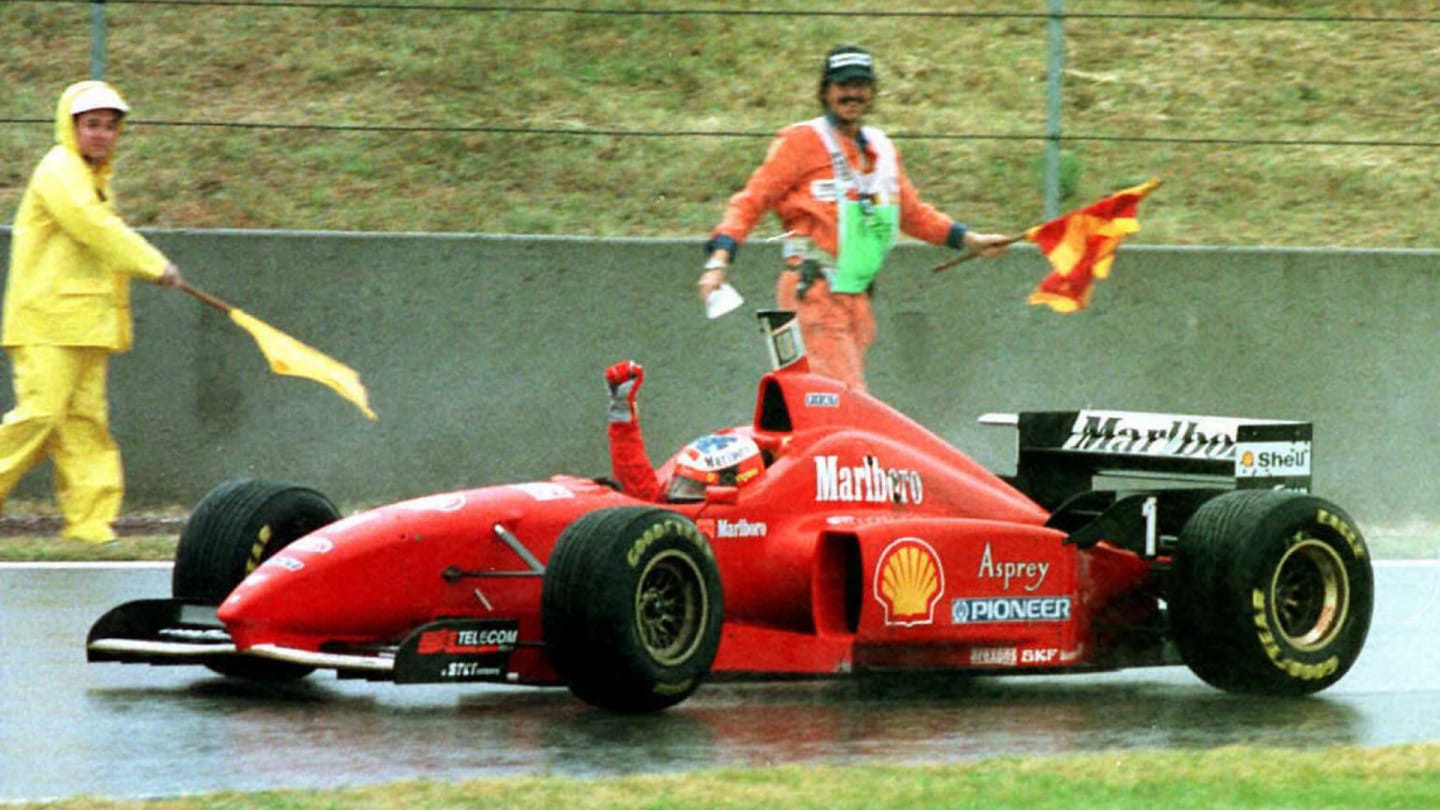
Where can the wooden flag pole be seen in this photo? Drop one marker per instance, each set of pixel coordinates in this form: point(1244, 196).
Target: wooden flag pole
point(207, 298)
point(968, 256)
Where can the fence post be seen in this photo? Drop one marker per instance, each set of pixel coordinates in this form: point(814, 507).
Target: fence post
point(1054, 75)
point(97, 39)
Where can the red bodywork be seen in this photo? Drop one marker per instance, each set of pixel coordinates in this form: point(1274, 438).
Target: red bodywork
point(868, 543)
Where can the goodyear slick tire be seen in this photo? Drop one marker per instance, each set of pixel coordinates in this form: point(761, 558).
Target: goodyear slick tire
point(631, 608)
point(1271, 593)
point(238, 525)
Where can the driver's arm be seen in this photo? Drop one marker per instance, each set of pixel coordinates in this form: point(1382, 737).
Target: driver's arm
point(629, 462)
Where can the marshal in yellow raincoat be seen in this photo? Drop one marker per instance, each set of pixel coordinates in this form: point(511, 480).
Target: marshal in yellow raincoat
point(67, 309)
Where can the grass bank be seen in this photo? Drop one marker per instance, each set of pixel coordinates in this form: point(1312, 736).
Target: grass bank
point(1402, 777)
point(1315, 127)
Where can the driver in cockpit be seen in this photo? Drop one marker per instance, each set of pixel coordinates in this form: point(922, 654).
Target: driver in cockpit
point(724, 458)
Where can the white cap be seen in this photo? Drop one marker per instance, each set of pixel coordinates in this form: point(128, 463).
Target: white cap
point(98, 98)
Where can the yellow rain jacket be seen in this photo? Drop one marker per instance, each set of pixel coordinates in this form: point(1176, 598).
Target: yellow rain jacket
point(71, 256)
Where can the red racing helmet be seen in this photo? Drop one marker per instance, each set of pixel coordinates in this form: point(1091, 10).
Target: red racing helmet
point(719, 459)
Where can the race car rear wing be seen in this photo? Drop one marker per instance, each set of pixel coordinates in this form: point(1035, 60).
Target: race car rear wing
point(1059, 452)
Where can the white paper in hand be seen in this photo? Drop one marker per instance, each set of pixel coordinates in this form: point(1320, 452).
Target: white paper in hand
point(724, 300)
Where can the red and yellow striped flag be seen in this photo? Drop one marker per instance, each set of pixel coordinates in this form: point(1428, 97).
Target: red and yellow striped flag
point(1081, 247)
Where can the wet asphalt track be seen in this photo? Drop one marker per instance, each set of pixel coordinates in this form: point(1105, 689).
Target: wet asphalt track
point(69, 728)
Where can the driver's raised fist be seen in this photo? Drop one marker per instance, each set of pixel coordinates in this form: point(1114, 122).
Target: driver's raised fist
point(624, 379)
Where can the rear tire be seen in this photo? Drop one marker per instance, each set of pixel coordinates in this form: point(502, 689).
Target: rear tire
point(233, 529)
point(631, 608)
point(1271, 593)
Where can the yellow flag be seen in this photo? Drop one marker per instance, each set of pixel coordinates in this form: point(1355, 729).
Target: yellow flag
point(291, 357)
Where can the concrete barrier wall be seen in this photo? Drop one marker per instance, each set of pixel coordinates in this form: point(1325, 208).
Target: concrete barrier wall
point(483, 356)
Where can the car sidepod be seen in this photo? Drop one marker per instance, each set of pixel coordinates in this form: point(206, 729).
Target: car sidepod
point(973, 594)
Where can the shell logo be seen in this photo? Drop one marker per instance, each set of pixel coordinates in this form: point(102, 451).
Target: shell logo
point(909, 582)
point(1247, 459)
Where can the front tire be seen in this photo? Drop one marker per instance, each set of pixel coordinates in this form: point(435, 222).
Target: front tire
point(631, 608)
point(1271, 593)
point(234, 528)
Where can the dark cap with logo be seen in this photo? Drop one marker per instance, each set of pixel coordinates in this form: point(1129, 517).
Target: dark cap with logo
point(847, 63)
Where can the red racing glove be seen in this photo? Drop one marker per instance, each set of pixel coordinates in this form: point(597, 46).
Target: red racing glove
point(624, 379)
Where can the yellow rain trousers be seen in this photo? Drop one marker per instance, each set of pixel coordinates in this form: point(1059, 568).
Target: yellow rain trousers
point(67, 309)
point(61, 412)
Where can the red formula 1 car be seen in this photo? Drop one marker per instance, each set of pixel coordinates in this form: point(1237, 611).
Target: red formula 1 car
point(869, 544)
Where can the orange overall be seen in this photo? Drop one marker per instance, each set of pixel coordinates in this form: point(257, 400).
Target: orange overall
point(798, 181)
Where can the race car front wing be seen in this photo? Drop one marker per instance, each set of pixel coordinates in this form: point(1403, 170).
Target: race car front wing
point(178, 631)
